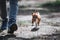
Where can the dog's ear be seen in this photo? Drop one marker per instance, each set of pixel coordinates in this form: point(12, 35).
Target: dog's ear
point(32, 13)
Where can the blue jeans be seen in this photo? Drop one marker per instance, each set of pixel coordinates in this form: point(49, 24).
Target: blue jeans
point(7, 22)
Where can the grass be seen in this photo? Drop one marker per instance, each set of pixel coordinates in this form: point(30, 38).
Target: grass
point(53, 6)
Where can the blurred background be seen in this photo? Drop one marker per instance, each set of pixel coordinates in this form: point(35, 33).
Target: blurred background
point(40, 5)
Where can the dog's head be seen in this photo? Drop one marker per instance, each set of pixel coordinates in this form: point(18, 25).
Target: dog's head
point(34, 15)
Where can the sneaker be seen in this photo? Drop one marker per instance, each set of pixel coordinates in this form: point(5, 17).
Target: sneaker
point(12, 28)
point(3, 32)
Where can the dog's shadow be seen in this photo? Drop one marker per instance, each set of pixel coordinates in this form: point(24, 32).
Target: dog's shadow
point(35, 29)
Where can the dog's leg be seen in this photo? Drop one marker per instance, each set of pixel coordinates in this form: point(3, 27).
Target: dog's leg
point(39, 21)
point(35, 28)
point(32, 22)
point(36, 22)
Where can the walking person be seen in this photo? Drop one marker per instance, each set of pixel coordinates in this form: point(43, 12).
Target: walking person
point(9, 22)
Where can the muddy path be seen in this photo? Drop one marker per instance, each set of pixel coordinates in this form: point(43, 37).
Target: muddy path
point(49, 28)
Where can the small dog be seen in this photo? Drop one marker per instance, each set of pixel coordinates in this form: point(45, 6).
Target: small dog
point(36, 18)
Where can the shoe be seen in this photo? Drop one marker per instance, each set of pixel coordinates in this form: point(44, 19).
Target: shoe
point(3, 32)
point(12, 28)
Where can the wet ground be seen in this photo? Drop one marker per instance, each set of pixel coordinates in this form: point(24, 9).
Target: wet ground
point(49, 28)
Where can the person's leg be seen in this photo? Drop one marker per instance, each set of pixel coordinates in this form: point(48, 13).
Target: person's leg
point(3, 14)
point(12, 13)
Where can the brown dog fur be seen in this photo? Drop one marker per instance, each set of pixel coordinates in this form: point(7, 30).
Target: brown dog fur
point(37, 18)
